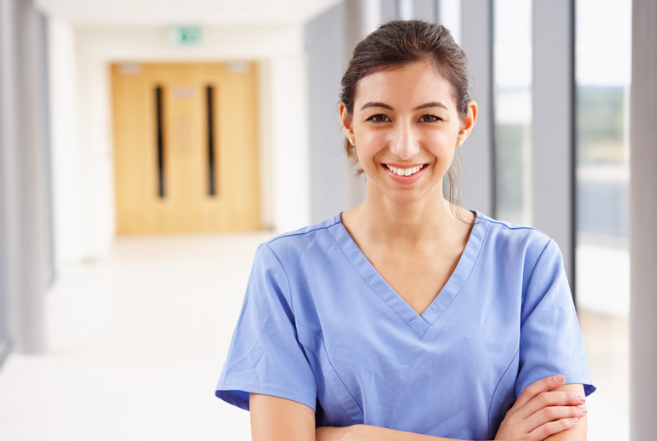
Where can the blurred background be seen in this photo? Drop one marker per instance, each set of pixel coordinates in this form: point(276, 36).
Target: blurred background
point(148, 146)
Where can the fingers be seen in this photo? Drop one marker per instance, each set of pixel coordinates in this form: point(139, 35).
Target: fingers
point(549, 429)
point(551, 414)
point(547, 400)
point(538, 387)
point(544, 408)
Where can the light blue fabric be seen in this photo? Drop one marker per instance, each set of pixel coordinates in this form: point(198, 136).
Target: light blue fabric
point(320, 326)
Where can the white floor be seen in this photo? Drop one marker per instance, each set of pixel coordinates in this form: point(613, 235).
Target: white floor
point(137, 340)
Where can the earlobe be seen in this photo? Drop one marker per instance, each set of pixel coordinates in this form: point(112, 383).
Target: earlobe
point(467, 123)
point(346, 120)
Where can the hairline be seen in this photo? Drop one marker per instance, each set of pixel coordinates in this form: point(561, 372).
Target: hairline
point(399, 65)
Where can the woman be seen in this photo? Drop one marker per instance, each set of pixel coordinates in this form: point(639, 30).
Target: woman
point(408, 317)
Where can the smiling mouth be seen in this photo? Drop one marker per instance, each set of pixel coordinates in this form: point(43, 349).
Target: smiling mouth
point(404, 171)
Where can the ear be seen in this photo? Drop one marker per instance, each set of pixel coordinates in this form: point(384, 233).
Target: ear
point(467, 123)
point(347, 121)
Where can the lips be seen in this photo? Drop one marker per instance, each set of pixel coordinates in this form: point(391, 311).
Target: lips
point(405, 171)
point(405, 175)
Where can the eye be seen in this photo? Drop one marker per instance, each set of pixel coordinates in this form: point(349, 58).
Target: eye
point(430, 118)
point(378, 118)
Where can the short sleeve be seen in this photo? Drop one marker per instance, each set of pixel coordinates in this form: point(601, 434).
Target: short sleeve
point(265, 356)
point(550, 338)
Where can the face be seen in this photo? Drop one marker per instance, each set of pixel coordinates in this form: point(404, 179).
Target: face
point(406, 127)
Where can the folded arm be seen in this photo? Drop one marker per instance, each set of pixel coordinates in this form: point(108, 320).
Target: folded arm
point(279, 419)
point(546, 410)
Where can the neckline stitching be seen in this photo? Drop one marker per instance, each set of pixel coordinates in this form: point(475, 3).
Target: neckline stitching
point(367, 282)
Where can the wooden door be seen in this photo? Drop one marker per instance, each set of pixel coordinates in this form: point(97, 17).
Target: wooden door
point(185, 147)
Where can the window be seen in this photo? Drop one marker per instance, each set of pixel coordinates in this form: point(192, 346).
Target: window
point(602, 64)
point(512, 60)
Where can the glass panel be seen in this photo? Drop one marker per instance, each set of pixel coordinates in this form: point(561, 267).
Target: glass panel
point(209, 93)
point(513, 108)
point(603, 50)
point(160, 141)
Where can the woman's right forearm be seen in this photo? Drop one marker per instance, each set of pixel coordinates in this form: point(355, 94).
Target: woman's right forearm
point(363, 432)
point(278, 419)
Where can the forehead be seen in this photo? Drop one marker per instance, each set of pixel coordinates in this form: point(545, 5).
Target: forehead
point(411, 84)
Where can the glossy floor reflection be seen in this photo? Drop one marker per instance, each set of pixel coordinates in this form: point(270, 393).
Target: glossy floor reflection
point(137, 341)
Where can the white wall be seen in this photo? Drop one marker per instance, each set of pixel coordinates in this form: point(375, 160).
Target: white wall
point(84, 201)
point(289, 138)
point(66, 164)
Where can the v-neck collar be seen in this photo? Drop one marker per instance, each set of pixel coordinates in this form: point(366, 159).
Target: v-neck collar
point(420, 324)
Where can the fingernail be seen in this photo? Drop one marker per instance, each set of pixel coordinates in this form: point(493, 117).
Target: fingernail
point(581, 398)
point(559, 378)
point(574, 420)
point(583, 409)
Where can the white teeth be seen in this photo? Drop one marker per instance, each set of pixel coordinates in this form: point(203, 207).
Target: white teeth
point(405, 171)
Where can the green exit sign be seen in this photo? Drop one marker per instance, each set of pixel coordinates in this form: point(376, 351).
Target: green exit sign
point(186, 35)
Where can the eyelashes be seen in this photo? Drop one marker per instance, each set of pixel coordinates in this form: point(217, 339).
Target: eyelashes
point(382, 118)
point(379, 118)
point(430, 118)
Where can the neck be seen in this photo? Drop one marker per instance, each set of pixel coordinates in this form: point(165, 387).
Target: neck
point(418, 224)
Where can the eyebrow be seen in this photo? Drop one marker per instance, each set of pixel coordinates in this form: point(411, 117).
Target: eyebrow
point(386, 106)
point(431, 104)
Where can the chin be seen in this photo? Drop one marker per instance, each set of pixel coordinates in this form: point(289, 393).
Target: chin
point(407, 198)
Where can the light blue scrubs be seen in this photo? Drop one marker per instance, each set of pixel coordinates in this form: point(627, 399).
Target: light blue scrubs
point(320, 326)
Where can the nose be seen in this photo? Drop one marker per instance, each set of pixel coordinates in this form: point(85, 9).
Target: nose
point(405, 142)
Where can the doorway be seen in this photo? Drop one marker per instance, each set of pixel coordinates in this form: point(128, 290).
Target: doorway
point(185, 147)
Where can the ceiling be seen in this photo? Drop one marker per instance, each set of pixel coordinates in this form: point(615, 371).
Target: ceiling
point(183, 12)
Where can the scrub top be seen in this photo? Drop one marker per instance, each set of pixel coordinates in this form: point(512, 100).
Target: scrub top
point(320, 326)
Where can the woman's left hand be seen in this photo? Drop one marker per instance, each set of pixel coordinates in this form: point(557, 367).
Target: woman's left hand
point(544, 409)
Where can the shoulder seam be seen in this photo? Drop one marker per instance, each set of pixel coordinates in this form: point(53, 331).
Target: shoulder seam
point(531, 276)
point(517, 227)
point(287, 280)
point(292, 234)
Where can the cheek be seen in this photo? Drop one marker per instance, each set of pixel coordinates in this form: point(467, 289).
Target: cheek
point(450, 135)
point(365, 136)
point(368, 144)
point(440, 140)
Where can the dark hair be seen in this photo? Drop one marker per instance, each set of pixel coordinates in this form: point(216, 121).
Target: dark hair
point(397, 44)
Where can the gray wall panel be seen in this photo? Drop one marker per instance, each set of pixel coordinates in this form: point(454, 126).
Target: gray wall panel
point(553, 173)
point(643, 222)
point(44, 123)
point(325, 51)
point(477, 151)
point(425, 10)
point(389, 10)
point(7, 64)
point(25, 225)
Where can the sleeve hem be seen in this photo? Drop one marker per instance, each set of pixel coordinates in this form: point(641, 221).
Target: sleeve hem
point(238, 394)
point(589, 387)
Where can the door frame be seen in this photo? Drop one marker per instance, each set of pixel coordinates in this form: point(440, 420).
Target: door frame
point(283, 117)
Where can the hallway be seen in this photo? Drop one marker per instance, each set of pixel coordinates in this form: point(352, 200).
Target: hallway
point(137, 341)
point(136, 344)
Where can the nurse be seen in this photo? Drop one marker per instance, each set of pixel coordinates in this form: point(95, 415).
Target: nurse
point(408, 317)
